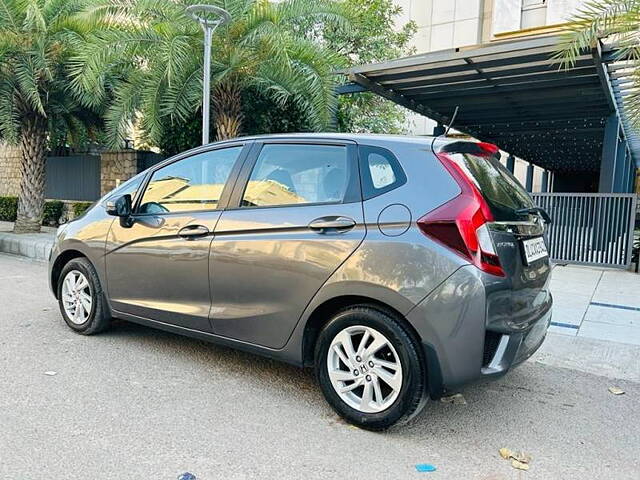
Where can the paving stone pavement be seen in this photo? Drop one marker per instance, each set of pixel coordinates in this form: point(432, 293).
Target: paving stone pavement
point(599, 303)
point(31, 245)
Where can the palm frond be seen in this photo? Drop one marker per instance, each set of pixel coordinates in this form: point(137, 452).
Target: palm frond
point(34, 19)
point(122, 112)
point(8, 15)
point(596, 19)
point(27, 79)
point(9, 112)
point(617, 22)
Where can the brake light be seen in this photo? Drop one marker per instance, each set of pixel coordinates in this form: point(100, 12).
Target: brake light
point(487, 149)
point(461, 223)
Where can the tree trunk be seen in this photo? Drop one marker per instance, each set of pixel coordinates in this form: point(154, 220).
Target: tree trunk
point(227, 110)
point(31, 198)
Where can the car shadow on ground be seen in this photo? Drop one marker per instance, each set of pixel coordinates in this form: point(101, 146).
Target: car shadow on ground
point(526, 392)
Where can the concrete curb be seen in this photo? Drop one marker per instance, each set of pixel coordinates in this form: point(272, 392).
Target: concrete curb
point(36, 245)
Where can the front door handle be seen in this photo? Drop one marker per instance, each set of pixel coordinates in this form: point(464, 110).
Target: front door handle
point(193, 231)
point(328, 224)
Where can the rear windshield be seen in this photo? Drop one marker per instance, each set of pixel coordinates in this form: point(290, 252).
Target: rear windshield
point(501, 190)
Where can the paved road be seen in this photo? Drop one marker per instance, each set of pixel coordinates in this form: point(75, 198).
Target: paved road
point(138, 403)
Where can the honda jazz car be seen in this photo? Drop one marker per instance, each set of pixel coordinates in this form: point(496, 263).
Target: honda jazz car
point(399, 268)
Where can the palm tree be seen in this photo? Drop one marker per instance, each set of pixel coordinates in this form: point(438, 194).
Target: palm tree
point(150, 58)
point(37, 39)
point(618, 21)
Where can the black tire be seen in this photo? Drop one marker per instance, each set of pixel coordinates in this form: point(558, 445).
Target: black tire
point(98, 319)
point(413, 392)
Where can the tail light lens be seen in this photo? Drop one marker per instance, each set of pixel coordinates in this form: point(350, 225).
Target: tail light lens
point(461, 223)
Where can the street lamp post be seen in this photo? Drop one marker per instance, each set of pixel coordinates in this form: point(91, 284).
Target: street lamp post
point(209, 18)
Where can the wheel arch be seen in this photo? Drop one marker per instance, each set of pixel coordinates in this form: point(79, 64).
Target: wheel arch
point(323, 313)
point(62, 259)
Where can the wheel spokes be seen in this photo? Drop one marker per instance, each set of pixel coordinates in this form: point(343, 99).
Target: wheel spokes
point(86, 304)
point(340, 352)
point(76, 297)
point(76, 311)
point(363, 341)
point(81, 283)
point(371, 384)
point(344, 339)
point(378, 342)
point(351, 386)
point(367, 396)
point(341, 375)
point(384, 363)
point(378, 398)
point(394, 381)
point(70, 283)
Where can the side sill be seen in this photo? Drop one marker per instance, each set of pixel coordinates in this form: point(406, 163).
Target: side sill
point(209, 337)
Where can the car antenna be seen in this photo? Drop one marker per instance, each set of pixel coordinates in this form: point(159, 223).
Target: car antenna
point(446, 131)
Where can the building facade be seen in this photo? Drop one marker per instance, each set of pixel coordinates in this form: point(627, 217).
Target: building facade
point(444, 24)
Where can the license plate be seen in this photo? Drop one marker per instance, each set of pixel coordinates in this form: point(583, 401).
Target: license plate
point(534, 249)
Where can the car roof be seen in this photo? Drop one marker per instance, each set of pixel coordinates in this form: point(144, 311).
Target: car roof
point(421, 141)
point(355, 137)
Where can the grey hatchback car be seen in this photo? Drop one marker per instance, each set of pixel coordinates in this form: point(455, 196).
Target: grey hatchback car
point(399, 268)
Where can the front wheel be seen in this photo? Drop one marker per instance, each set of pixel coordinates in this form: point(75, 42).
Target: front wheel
point(81, 299)
point(369, 368)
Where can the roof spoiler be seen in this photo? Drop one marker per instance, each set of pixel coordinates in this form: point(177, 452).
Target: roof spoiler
point(482, 149)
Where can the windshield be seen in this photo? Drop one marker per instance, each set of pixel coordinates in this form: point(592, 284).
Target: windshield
point(501, 190)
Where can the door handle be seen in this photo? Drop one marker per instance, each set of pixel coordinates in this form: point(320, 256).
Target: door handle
point(327, 224)
point(193, 231)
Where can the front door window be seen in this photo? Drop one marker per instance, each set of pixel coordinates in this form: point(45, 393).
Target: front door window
point(192, 184)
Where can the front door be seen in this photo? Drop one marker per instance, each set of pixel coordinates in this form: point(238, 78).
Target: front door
point(295, 216)
point(158, 264)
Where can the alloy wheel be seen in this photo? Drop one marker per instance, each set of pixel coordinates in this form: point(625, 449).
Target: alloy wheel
point(364, 369)
point(76, 297)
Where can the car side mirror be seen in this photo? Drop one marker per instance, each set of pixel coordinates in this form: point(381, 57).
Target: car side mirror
point(120, 207)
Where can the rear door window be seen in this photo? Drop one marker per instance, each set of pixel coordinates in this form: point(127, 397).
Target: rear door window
point(500, 188)
point(297, 174)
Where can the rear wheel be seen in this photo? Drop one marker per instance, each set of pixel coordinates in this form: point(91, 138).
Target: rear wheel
point(81, 299)
point(369, 368)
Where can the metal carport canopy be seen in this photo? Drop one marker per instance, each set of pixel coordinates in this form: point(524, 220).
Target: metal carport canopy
point(510, 93)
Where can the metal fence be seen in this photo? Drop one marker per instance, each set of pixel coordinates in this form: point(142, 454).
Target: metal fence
point(76, 177)
point(148, 159)
point(590, 228)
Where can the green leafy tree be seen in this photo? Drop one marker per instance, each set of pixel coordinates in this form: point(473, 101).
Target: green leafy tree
point(373, 37)
point(150, 59)
point(260, 113)
point(37, 40)
point(617, 21)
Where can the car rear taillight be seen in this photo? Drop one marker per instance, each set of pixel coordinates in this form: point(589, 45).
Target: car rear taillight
point(461, 223)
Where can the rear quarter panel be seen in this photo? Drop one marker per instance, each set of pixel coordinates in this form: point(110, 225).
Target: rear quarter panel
point(396, 264)
point(395, 253)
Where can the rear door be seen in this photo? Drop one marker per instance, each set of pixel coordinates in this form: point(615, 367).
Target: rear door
point(516, 233)
point(294, 217)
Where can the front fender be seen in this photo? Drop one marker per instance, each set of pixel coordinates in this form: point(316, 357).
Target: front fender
point(86, 237)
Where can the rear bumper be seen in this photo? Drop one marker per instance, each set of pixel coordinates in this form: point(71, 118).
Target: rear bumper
point(452, 323)
point(515, 348)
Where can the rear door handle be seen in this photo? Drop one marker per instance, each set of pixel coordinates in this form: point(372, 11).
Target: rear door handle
point(328, 224)
point(193, 231)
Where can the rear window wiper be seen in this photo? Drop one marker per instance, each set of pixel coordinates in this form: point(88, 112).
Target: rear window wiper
point(543, 213)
